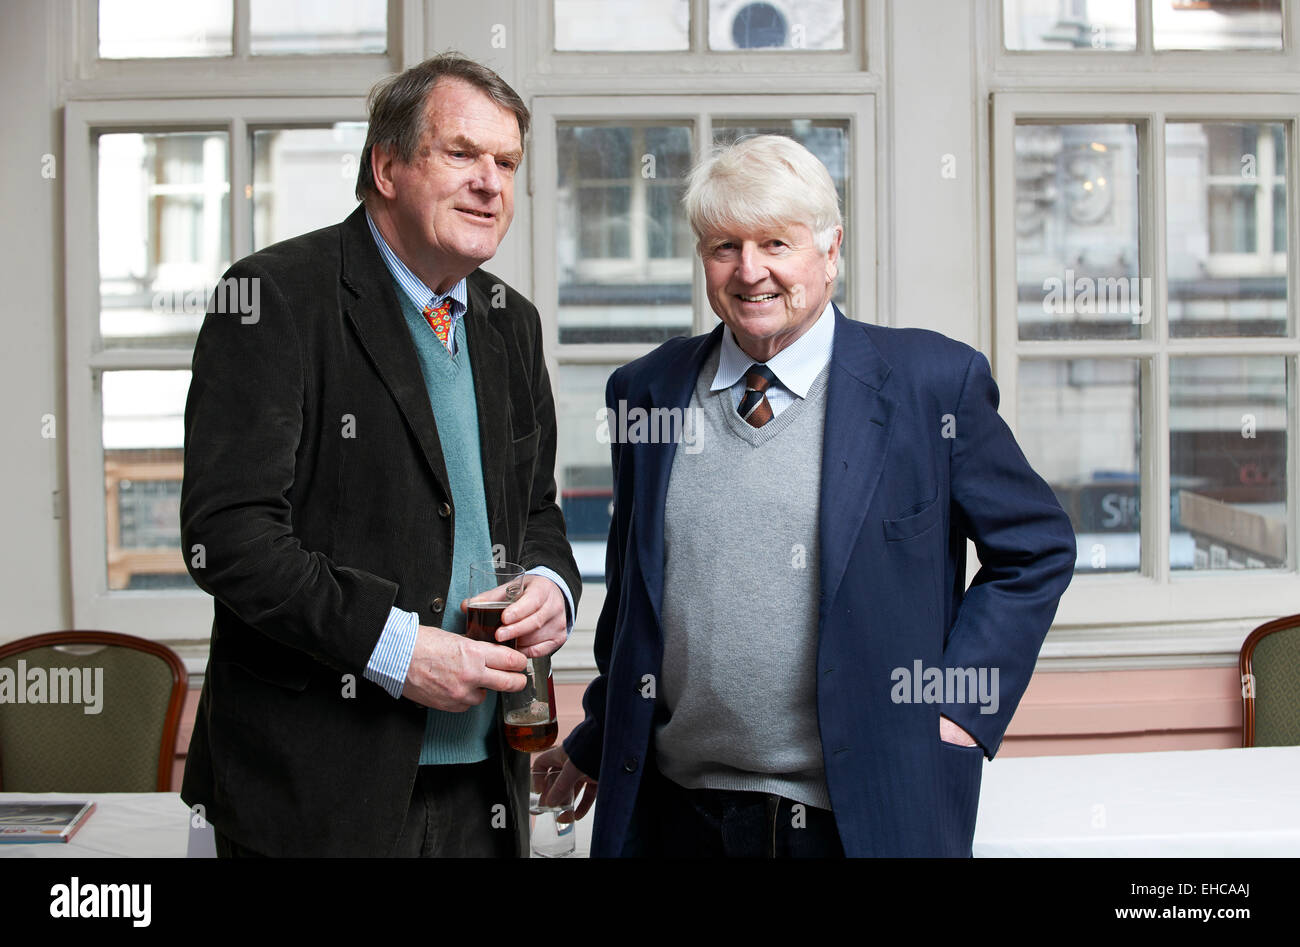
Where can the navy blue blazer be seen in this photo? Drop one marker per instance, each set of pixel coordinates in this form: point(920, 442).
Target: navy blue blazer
point(915, 462)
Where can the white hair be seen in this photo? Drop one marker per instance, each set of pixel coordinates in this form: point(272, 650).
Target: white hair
point(759, 182)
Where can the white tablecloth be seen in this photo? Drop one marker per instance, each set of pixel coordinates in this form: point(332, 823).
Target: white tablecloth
point(154, 824)
point(1204, 803)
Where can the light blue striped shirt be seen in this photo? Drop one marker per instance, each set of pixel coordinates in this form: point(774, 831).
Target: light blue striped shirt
point(796, 366)
point(414, 287)
point(391, 658)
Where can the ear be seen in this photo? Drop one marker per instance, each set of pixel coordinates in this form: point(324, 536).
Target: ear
point(383, 159)
point(833, 255)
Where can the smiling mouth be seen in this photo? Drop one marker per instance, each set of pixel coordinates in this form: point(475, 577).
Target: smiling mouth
point(757, 299)
point(481, 214)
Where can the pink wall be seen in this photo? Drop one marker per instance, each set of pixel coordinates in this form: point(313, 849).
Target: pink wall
point(1062, 713)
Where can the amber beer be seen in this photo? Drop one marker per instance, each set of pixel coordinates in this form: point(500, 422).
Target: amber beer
point(530, 727)
point(534, 727)
point(483, 619)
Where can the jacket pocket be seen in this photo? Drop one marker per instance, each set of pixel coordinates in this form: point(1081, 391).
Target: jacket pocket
point(524, 448)
point(914, 524)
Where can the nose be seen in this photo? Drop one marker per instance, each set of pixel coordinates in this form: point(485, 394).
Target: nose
point(750, 268)
point(488, 178)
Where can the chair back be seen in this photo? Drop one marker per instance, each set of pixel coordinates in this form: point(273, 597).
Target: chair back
point(1270, 684)
point(88, 711)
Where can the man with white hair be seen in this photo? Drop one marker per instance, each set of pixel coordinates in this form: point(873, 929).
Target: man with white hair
point(790, 662)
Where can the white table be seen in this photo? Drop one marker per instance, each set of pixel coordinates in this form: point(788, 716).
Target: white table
point(1201, 803)
point(143, 824)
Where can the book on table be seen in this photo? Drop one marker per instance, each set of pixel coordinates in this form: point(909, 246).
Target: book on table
point(42, 821)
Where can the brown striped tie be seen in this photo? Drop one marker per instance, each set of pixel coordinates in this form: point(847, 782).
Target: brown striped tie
point(754, 407)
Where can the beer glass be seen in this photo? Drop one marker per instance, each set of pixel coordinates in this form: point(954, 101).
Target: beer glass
point(529, 715)
point(492, 587)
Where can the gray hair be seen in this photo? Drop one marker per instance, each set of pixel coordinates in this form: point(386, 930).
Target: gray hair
point(763, 181)
point(398, 117)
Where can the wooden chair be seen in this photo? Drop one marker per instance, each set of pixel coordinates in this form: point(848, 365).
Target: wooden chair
point(1270, 684)
point(91, 711)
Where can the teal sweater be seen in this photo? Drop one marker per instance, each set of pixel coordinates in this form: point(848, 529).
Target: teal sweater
point(456, 737)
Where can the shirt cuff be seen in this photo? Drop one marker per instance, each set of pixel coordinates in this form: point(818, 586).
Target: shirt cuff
point(568, 599)
point(391, 658)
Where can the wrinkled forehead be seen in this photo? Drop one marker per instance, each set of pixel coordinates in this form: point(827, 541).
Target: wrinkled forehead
point(453, 108)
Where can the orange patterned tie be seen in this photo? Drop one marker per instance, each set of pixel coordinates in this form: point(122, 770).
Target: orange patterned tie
point(439, 319)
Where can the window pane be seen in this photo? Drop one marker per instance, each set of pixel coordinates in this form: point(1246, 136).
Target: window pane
point(148, 29)
point(1225, 187)
point(164, 234)
point(622, 25)
point(828, 139)
point(278, 27)
point(1077, 233)
point(1069, 24)
point(144, 431)
point(1217, 24)
point(780, 24)
point(1227, 462)
point(623, 246)
point(303, 179)
point(583, 460)
point(1080, 426)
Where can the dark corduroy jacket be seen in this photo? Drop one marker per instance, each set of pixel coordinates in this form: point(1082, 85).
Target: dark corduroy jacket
point(315, 485)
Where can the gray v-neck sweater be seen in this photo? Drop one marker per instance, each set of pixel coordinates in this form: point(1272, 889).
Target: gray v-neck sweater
point(740, 601)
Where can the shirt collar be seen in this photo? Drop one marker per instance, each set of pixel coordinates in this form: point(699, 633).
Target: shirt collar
point(796, 366)
point(412, 285)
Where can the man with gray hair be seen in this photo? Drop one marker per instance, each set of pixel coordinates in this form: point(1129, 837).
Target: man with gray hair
point(385, 421)
point(765, 593)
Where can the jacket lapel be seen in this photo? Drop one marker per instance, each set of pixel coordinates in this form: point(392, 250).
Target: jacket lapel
point(370, 305)
point(653, 463)
point(487, 354)
point(858, 424)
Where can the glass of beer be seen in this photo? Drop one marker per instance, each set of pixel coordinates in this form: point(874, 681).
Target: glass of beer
point(529, 715)
point(492, 587)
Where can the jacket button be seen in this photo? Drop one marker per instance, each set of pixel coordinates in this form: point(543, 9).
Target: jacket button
point(437, 605)
point(629, 764)
point(445, 510)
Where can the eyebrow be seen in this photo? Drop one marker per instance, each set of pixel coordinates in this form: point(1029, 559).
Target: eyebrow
point(461, 143)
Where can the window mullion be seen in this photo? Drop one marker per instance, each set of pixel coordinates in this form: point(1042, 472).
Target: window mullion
point(703, 317)
point(241, 181)
point(1291, 171)
point(1155, 528)
point(699, 28)
point(1145, 39)
point(240, 33)
point(1152, 242)
point(1293, 461)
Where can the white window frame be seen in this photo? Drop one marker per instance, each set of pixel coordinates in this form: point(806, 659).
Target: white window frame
point(1158, 617)
point(89, 76)
point(156, 614)
point(1264, 260)
point(726, 69)
point(1167, 68)
point(237, 95)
